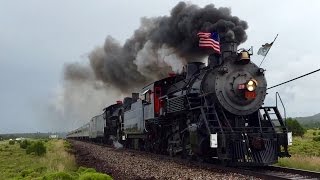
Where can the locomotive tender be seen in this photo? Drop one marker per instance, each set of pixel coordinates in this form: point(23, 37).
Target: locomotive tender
point(207, 111)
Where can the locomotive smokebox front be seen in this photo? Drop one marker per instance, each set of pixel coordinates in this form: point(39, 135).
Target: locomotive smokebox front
point(238, 85)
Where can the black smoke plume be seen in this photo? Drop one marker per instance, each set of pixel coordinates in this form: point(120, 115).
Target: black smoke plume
point(158, 46)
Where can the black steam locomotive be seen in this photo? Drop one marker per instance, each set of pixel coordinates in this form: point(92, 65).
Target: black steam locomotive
point(207, 112)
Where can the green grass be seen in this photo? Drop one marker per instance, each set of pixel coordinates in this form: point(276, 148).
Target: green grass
point(305, 152)
point(305, 145)
point(57, 163)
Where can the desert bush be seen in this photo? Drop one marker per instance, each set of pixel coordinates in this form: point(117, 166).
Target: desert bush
point(37, 147)
point(11, 142)
point(24, 144)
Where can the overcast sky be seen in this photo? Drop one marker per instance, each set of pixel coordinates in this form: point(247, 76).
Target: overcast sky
point(37, 37)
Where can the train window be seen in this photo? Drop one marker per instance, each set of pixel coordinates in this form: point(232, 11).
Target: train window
point(147, 96)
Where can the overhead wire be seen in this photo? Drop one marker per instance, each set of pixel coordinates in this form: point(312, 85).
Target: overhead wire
point(294, 79)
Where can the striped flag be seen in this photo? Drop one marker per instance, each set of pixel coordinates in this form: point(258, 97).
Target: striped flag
point(209, 40)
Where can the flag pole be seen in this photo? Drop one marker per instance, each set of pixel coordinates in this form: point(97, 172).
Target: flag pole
point(268, 49)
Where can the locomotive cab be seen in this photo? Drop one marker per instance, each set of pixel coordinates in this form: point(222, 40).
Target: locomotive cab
point(140, 111)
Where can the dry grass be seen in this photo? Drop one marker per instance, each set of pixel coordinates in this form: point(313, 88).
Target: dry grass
point(57, 159)
point(305, 152)
point(301, 162)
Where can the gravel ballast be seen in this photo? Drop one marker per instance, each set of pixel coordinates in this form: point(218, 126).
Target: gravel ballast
point(126, 164)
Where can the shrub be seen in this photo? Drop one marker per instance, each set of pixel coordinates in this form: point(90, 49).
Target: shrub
point(59, 175)
point(24, 144)
point(91, 174)
point(318, 133)
point(25, 173)
point(85, 170)
point(37, 147)
point(314, 133)
point(33, 175)
point(317, 138)
point(67, 145)
point(11, 142)
point(40, 169)
point(94, 176)
point(295, 127)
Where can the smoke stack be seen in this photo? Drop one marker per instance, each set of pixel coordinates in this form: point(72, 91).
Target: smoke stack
point(228, 48)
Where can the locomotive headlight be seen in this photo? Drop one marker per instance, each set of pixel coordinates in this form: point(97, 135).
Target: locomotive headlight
point(250, 88)
point(251, 85)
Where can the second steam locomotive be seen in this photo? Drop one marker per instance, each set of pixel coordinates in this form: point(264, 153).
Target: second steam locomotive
point(207, 111)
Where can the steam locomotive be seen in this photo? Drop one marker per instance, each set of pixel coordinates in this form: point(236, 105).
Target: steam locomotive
point(211, 111)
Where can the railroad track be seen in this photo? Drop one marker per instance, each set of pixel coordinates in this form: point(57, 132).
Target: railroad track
point(267, 172)
point(281, 173)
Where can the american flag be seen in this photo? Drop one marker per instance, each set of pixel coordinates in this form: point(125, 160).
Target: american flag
point(209, 40)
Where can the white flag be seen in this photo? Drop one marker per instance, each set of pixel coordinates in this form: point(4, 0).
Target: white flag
point(264, 49)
